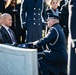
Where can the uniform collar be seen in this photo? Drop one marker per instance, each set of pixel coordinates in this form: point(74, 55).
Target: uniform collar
point(55, 24)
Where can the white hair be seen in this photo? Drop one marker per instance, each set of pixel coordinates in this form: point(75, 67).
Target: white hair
point(5, 15)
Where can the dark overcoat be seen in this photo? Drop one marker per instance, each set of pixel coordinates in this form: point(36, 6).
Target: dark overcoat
point(55, 59)
point(72, 40)
point(64, 18)
point(33, 18)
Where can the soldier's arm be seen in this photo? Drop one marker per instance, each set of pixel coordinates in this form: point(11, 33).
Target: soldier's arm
point(23, 10)
point(50, 38)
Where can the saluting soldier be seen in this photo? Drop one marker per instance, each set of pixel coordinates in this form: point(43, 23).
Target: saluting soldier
point(31, 18)
point(72, 38)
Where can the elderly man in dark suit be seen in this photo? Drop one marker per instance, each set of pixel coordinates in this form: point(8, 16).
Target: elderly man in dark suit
point(72, 38)
point(31, 19)
point(8, 35)
point(14, 10)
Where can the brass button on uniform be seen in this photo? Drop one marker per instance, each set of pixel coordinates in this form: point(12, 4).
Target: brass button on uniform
point(34, 23)
point(38, 13)
point(34, 8)
point(34, 13)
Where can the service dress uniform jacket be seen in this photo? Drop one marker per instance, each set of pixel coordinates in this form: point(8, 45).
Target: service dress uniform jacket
point(55, 59)
point(64, 18)
point(33, 18)
point(5, 36)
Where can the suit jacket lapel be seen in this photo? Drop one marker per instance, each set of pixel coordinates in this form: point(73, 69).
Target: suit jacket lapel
point(5, 31)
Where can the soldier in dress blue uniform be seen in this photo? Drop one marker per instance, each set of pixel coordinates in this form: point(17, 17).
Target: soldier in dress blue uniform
point(55, 60)
point(72, 38)
point(31, 18)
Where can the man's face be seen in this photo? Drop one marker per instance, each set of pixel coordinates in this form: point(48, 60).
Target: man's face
point(8, 21)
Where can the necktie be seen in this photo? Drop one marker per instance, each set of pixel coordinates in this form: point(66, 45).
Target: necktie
point(12, 36)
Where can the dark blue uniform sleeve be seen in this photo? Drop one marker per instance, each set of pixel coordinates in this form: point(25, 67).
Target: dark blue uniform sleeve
point(51, 37)
point(23, 11)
